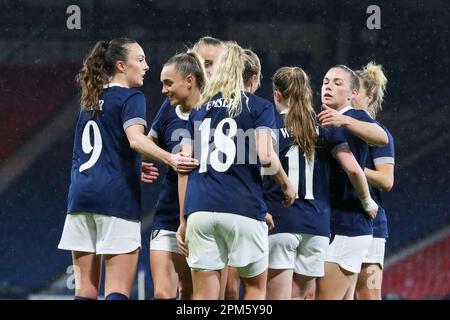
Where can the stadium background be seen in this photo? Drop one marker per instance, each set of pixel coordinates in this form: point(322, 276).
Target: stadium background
point(39, 57)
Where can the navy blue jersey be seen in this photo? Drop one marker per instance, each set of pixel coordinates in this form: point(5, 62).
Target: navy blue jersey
point(310, 212)
point(228, 178)
point(106, 172)
point(169, 127)
point(380, 155)
point(348, 217)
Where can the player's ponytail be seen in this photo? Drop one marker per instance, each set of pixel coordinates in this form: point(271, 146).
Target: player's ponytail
point(374, 81)
point(293, 84)
point(98, 68)
point(227, 79)
point(189, 63)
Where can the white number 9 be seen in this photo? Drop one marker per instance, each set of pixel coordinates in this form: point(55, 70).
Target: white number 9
point(96, 149)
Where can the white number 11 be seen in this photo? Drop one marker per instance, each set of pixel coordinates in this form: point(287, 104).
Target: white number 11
point(294, 171)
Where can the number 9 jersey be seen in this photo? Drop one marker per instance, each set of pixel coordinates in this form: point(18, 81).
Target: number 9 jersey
point(228, 179)
point(105, 175)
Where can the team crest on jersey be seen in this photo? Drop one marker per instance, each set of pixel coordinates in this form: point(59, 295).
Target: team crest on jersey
point(155, 233)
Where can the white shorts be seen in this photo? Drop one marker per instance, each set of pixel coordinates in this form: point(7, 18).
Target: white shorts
point(100, 234)
point(164, 240)
point(375, 253)
point(349, 252)
point(304, 253)
point(218, 239)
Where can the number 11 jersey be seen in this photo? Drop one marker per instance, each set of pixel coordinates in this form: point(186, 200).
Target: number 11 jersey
point(311, 211)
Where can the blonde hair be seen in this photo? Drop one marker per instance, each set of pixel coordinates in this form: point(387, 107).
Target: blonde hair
point(293, 84)
point(252, 66)
point(207, 41)
point(374, 81)
point(227, 79)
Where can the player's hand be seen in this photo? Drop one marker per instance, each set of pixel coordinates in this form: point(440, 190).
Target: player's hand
point(149, 173)
point(183, 164)
point(330, 117)
point(289, 195)
point(269, 221)
point(369, 206)
point(372, 213)
point(181, 233)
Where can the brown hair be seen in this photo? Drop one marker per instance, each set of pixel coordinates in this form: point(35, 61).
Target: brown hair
point(188, 63)
point(98, 66)
point(374, 81)
point(293, 84)
point(354, 80)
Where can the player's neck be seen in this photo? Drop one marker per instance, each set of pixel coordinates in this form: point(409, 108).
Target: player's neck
point(343, 106)
point(191, 101)
point(120, 79)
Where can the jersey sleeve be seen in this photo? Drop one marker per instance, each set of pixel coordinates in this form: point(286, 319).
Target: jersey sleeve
point(334, 139)
point(265, 118)
point(363, 116)
point(156, 127)
point(384, 154)
point(134, 110)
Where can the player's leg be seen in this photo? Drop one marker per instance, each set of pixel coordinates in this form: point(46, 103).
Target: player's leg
point(282, 255)
point(120, 272)
point(334, 284)
point(310, 292)
point(303, 287)
point(170, 272)
point(255, 287)
point(279, 284)
point(184, 275)
point(345, 255)
point(79, 235)
point(247, 244)
point(233, 283)
point(350, 293)
point(206, 284)
point(370, 279)
point(164, 277)
point(368, 286)
point(207, 255)
point(309, 264)
point(223, 282)
point(87, 270)
point(119, 240)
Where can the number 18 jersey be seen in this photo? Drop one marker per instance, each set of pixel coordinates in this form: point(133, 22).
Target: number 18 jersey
point(228, 178)
point(105, 175)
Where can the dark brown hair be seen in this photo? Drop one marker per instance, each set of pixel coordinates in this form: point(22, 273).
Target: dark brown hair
point(98, 67)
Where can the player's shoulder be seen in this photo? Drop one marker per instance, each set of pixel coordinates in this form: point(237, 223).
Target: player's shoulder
point(390, 137)
point(362, 115)
point(166, 108)
point(257, 101)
